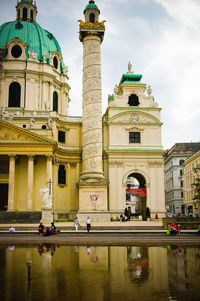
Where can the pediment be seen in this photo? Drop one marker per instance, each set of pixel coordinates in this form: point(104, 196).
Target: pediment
point(134, 118)
point(12, 133)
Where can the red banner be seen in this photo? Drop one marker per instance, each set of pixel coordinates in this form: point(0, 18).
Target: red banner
point(139, 191)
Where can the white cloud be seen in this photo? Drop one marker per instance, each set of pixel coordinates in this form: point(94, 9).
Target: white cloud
point(185, 11)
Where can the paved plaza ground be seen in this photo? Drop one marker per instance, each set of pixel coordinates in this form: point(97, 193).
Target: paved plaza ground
point(106, 233)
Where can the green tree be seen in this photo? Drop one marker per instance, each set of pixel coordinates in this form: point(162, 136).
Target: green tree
point(196, 184)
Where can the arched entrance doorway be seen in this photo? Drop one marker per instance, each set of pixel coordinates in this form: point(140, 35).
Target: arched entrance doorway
point(136, 195)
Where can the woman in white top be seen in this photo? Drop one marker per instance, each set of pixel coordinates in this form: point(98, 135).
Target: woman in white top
point(88, 224)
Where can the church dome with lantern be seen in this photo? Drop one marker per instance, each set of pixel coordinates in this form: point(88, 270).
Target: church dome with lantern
point(34, 76)
point(39, 43)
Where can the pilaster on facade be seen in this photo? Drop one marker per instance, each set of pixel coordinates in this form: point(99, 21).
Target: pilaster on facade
point(11, 182)
point(30, 182)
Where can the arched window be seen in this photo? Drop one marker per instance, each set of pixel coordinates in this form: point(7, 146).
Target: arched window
point(92, 18)
point(61, 175)
point(55, 101)
point(133, 100)
point(55, 62)
point(181, 162)
point(24, 14)
point(31, 15)
point(18, 15)
point(14, 95)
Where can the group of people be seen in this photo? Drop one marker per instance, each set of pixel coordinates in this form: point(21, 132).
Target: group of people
point(173, 229)
point(49, 230)
point(77, 225)
point(124, 218)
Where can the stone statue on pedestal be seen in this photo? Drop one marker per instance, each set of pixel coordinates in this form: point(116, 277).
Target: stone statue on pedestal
point(46, 201)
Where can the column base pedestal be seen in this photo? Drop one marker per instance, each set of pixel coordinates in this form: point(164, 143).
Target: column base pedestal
point(98, 216)
point(93, 201)
point(47, 217)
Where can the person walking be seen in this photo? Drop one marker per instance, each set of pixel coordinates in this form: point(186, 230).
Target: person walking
point(76, 223)
point(178, 229)
point(88, 224)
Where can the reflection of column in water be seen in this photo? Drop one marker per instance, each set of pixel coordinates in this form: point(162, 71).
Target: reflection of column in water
point(76, 249)
point(158, 260)
point(46, 260)
point(118, 264)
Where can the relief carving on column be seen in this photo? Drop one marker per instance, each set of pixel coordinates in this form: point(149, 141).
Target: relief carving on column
point(90, 109)
point(92, 136)
point(91, 124)
point(92, 84)
point(92, 72)
point(92, 59)
point(93, 164)
point(92, 150)
point(93, 98)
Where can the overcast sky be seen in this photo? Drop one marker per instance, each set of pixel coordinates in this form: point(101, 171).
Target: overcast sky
point(161, 38)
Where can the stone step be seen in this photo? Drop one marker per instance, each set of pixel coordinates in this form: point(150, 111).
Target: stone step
point(20, 217)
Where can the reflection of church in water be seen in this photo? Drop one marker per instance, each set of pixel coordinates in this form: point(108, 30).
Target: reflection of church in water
point(115, 272)
point(92, 165)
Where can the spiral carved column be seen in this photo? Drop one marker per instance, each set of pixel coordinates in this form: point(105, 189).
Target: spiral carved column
point(92, 110)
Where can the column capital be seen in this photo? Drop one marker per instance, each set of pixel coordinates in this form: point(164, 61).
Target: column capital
point(49, 156)
point(12, 155)
point(73, 164)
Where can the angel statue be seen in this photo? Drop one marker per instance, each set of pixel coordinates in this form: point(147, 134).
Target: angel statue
point(46, 201)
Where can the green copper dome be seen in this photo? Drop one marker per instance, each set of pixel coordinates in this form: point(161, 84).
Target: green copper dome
point(38, 39)
point(91, 5)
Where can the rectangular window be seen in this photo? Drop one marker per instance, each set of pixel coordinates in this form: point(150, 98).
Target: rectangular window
point(134, 137)
point(61, 136)
point(61, 175)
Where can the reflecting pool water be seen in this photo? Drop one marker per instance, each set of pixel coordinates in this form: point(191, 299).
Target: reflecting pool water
point(99, 273)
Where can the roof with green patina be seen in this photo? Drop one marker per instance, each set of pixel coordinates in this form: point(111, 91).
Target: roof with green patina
point(91, 5)
point(130, 78)
point(30, 1)
point(38, 39)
